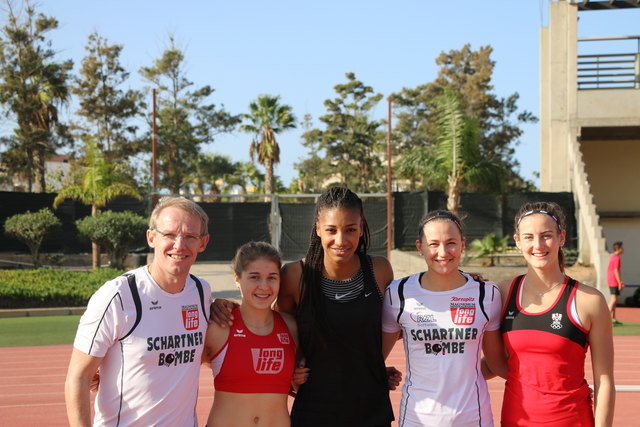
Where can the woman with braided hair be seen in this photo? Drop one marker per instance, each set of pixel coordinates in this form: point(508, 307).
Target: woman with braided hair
point(548, 322)
point(336, 294)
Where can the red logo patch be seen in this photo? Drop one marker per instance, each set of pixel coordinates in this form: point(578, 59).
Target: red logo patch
point(283, 338)
point(190, 319)
point(463, 315)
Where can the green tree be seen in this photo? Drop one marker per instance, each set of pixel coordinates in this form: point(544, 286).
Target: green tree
point(468, 73)
point(351, 140)
point(315, 167)
point(107, 109)
point(267, 118)
point(32, 228)
point(32, 87)
point(185, 121)
point(312, 173)
point(117, 232)
point(100, 183)
point(456, 161)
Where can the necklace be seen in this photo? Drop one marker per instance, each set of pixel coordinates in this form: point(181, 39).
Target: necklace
point(549, 290)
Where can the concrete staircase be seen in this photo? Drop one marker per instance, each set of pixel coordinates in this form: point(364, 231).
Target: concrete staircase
point(592, 244)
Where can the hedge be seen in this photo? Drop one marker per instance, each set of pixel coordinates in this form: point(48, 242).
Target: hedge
point(48, 287)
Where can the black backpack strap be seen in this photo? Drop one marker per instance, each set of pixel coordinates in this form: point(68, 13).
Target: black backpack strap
point(131, 278)
point(482, 290)
point(401, 296)
point(201, 293)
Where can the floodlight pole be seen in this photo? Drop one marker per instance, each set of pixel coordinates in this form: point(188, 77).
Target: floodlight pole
point(389, 205)
point(154, 169)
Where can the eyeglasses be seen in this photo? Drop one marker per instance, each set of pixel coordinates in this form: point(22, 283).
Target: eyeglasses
point(189, 239)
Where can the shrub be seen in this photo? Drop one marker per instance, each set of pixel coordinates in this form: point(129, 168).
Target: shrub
point(48, 287)
point(114, 231)
point(490, 245)
point(32, 229)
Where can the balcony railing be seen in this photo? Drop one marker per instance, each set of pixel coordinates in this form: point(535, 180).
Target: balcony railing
point(609, 70)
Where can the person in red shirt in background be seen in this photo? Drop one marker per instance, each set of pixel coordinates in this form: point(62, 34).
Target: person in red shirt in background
point(614, 280)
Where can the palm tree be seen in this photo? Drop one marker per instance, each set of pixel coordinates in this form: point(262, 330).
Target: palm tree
point(489, 245)
point(51, 91)
point(267, 118)
point(210, 169)
point(457, 151)
point(245, 175)
point(101, 183)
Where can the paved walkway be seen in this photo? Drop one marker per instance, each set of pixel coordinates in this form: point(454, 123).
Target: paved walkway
point(220, 277)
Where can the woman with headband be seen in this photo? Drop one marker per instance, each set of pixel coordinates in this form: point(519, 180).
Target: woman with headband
point(446, 318)
point(548, 322)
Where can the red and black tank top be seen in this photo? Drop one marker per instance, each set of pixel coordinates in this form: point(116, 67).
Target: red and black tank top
point(545, 380)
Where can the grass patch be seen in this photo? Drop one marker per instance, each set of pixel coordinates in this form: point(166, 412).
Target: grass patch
point(39, 330)
point(627, 329)
point(59, 330)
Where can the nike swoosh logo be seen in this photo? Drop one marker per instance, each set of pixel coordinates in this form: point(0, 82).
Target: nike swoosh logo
point(511, 313)
point(338, 296)
point(366, 295)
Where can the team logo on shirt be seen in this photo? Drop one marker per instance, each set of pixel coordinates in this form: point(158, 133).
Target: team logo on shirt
point(463, 310)
point(190, 317)
point(422, 318)
point(267, 360)
point(283, 338)
point(556, 320)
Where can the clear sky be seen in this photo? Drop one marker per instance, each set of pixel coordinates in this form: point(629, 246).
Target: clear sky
point(300, 49)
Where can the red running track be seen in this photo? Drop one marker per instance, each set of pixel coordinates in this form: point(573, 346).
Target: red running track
point(32, 386)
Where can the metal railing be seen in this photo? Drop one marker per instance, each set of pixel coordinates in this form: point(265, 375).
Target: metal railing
point(609, 70)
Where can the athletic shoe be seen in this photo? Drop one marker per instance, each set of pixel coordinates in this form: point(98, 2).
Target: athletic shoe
point(616, 322)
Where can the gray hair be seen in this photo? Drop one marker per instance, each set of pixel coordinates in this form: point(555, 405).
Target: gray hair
point(184, 204)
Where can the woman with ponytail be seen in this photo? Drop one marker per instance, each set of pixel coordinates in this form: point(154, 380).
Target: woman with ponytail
point(548, 322)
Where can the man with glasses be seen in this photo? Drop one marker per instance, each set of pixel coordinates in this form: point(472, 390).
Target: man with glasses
point(145, 330)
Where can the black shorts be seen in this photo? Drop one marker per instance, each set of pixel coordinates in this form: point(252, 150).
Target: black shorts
point(613, 290)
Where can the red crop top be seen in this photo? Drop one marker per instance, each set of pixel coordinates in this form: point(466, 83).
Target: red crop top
point(250, 363)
